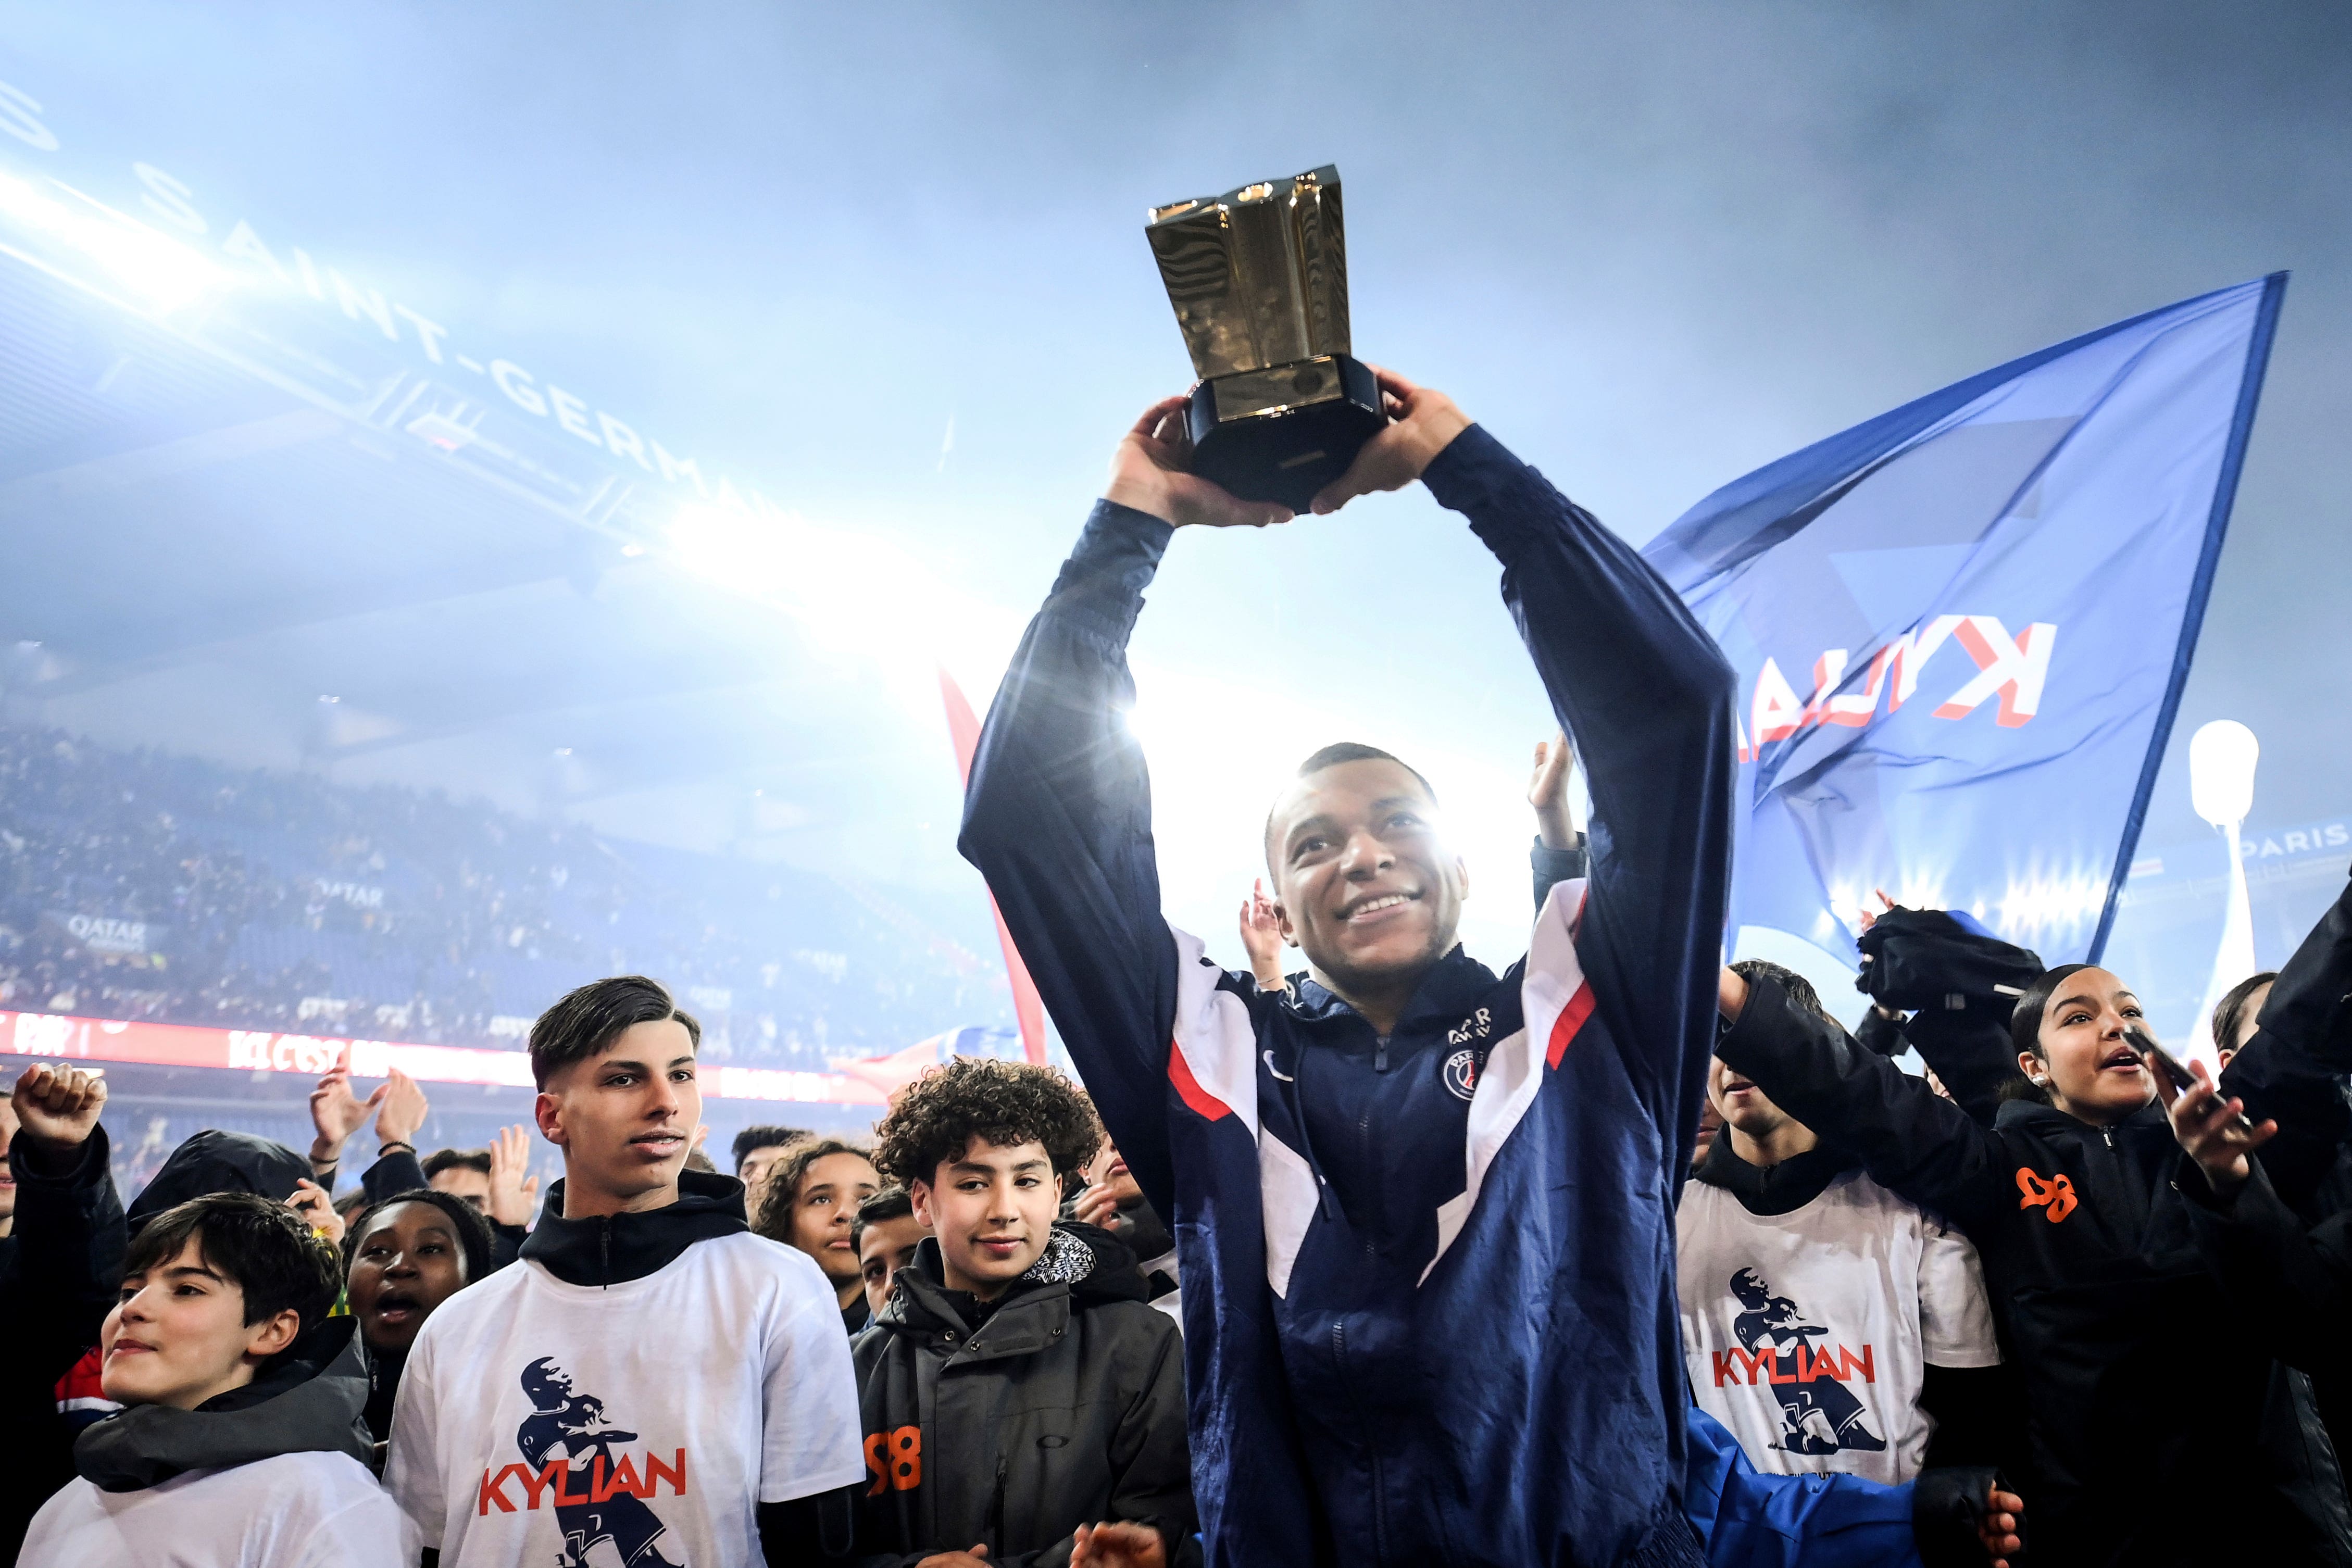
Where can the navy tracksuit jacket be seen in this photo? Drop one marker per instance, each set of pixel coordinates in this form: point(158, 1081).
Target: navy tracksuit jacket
point(1429, 1302)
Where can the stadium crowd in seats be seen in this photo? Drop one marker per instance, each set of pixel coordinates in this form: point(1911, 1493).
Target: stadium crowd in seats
point(139, 885)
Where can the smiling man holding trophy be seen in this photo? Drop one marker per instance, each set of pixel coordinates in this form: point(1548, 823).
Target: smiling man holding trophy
point(1424, 1211)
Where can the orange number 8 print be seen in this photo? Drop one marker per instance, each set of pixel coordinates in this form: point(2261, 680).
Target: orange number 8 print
point(894, 1460)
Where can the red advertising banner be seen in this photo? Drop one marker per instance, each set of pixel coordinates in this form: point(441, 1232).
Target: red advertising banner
point(61, 1038)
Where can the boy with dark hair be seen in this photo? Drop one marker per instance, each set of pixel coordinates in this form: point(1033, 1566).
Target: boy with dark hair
point(1831, 1327)
point(757, 1150)
point(652, 1384)
point(241, 1442)
point(1022, 1403)
point(885, 1233)
point(453, 1171)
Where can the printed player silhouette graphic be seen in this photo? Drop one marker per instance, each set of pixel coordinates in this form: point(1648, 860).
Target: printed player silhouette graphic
point(571, 1427)
point(1819, 1415)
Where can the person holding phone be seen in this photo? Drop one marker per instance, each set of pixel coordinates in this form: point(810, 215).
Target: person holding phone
point(2086, 1246)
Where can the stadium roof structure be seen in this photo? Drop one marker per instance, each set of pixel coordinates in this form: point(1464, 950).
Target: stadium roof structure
point(257, 511)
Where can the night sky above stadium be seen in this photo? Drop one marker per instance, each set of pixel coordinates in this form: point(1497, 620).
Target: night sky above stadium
point(887, 265)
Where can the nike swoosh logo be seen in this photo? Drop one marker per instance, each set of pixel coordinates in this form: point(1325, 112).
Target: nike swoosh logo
point(1278, 1071)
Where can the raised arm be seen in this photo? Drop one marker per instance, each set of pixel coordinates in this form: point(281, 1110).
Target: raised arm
point(2292, 1069)
point(1057, 814)
point(2290, 1285)
point(70, 1229)
point(1911, 1140)
point(1959, 983)
point(1647, 697)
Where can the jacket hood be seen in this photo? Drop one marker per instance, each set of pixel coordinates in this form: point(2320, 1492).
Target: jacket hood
point(614, 1249)
point(1081, 1264)
point(1774, 1189)
point(213, 1161)
point(305, 1399)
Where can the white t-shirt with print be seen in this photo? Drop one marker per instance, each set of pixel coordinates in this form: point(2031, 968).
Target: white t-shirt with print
point(1807, 1334)
point(296, 1510)
point(537, 1419)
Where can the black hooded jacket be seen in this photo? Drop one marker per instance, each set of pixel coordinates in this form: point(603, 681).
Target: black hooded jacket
point(213, 1161)
point(614, 1249)
point(60, 1269)
point(1960, 987)
point(2137, 1391)
point(1060, 1404)
point(305, 1399)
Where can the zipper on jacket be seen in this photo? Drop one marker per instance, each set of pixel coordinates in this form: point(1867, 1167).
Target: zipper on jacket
point(1379, 1053)
point(1372, 1446)
point(604, 1249)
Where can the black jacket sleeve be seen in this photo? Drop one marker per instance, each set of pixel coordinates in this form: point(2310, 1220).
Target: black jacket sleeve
point(2292, 1070)
point(1980, 1416)
point(1910, 1139)
point(1969, 1050)
point(2290, 1285)
point(70, 1239)
point(1151, 1459)
point(1961, 986)
point(1057, 817)
point(1646, 696)
point(506, 1243)
point(398, 1171)
point(1552, 867)
point(816, 1532)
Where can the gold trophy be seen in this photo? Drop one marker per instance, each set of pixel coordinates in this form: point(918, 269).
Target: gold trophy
point(1259, 280)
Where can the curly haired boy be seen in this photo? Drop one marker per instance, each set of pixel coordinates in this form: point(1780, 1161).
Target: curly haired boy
point(1056, 1424)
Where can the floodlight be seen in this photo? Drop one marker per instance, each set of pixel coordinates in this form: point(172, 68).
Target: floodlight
point(2222, 758)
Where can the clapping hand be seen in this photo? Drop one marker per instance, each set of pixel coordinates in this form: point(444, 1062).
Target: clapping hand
point(404, 1110)
point(975, 1558)
point(1151, 472)
point(512, 1193)
point(56, 1110)
point(337, 1113)
point(1119, 1545)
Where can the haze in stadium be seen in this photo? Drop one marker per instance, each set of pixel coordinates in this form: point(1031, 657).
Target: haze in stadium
point(612, 420)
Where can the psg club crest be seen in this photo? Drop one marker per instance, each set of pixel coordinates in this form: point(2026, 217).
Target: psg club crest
point(1462, 1073)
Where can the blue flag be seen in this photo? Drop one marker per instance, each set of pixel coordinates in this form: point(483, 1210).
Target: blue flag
point(1961, 628)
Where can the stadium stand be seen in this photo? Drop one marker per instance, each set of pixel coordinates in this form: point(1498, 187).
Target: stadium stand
point(139, 885)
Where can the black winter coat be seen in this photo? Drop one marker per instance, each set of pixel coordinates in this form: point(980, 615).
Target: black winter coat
point(2158, 1436)
point(60, 1272)
point(1065, 1406)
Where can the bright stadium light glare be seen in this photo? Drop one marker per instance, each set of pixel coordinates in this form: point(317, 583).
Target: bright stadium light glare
point(165, 275)
point(2221, 758)
point(852, 595)
point(857, 598)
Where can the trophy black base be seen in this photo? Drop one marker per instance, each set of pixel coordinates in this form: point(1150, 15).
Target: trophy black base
point(1282, 433)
